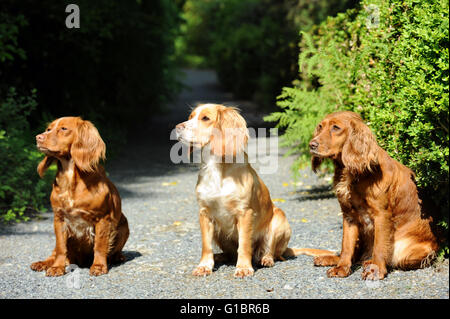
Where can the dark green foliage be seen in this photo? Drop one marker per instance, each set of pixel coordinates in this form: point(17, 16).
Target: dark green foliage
point(118, 64)
point(117, 70)
point(249, 43)
point(21, 190)
point(252, 44)
point(9, 29)
point(395, 74)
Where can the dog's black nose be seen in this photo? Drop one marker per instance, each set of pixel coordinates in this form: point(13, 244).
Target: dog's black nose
point(313, 145)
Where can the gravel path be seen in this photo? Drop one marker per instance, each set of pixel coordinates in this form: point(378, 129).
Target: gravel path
point(165, 244)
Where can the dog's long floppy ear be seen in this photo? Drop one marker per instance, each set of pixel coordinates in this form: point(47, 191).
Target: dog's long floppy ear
point(44, 165)
point(360, 151)
point(231, 134)
point(88, 148)
point(315, 163)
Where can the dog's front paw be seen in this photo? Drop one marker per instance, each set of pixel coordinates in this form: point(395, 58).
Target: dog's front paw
point(55, 271)
point(267, 261)
point(328, 260)
point(339, 271)
point(202, 271)
point(98, 269)
point(372, 271)
point(242, 272)
point(42, 265)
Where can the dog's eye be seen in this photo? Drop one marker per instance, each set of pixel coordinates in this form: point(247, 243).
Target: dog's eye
point(48, 130)
point(64, 128)
point(335, 128)
point(205, 118)
point(319, 127)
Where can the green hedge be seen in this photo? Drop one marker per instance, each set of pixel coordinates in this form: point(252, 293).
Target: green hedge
point(388, 61)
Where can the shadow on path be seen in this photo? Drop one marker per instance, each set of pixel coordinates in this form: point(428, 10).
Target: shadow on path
point(314, 193)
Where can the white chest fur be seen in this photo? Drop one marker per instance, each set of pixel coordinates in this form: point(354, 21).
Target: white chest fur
point(212, 185)
point(219, 194)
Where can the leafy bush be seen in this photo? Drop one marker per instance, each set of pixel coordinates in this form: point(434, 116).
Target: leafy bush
point(388, 61)
point(21, 190)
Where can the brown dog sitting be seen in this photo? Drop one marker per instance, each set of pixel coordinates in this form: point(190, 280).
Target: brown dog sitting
point(236, 211)
point(384, 223)
point(88, 221)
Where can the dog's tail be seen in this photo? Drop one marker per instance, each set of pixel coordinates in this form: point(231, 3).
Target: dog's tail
point(292, 252)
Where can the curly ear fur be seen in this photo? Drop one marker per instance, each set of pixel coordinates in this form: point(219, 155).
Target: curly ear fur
point(360, 151)
point(44, 165)
point(231, 134)
point(88, 148)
